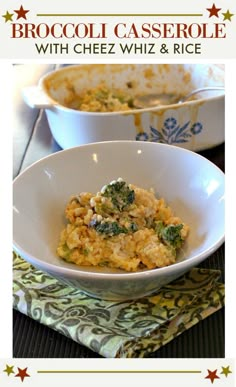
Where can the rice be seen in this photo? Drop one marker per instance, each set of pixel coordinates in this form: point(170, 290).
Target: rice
point(121, 226)
point(100, 99)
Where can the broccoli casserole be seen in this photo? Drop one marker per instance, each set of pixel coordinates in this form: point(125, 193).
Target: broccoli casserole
point(122, 226)
point(100, 99)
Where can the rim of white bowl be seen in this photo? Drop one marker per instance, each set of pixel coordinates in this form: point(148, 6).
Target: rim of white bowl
point(111, 142)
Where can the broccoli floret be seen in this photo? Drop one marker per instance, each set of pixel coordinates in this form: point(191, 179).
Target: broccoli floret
point(170, 234)
point(102, 94)
point(64, 252)
point(108, 228)
point(111, 228)
point(159, 226)
point(120, 194)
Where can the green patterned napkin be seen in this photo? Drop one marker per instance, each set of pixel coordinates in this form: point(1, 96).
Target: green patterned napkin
point(117, 329)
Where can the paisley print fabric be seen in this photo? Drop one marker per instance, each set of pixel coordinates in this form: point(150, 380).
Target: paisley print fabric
point(117, 329)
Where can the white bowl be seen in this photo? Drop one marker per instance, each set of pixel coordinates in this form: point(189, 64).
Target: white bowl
point(191, 185)
point(194, 125)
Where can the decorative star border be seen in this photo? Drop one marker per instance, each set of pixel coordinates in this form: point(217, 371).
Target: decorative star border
point(20, 373)
point(214, 11)
point(21, 13)
point(212, 375)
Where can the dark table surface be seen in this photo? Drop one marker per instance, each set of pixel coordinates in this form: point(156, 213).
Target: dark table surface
point(32, 141)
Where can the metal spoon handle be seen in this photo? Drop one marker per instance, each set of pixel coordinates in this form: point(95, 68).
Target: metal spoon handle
point(200, 90)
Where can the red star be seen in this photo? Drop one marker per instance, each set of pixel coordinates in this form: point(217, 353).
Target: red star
point(212, 375)
point(21, 13)
point(213, 11)
point(22, 373)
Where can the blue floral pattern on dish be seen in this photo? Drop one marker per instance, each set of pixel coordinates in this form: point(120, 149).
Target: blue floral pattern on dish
point(171, 132)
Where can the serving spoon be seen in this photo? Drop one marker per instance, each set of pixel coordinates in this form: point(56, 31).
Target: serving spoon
point(153, 100)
